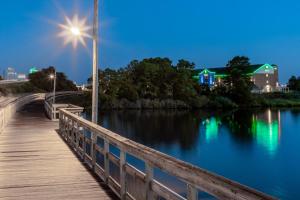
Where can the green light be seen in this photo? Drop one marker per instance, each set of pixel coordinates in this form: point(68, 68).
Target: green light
point(266, 134)
point(265, 67)
point(211, 128)
point(221, 75)
point(196, 77)
point(206, 71)
point(33, 70)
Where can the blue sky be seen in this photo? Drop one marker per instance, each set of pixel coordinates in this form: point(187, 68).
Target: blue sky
point(208, 33)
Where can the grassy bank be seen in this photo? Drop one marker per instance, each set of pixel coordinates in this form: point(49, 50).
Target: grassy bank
point(202, 102)
point(276, 100)
point(291, 99)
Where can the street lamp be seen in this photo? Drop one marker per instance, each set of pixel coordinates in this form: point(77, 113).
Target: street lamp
point(74, 31)
point(53, 77)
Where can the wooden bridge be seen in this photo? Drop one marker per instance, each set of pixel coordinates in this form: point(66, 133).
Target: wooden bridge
point(72, 159)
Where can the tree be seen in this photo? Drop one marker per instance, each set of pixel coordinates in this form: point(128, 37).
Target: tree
point(1, 78)
point(239, 86)
point(151, 78)
point(294, 83)
point(185, 88)
point(41, 80)
point(239, 61)
point(185, 65)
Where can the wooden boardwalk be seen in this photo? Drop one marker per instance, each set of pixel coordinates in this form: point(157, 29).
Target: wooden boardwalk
point(35, 163)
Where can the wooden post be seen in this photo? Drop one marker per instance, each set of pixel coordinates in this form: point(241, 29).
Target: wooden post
point(77, 137)
point(59, 124)
point(93, 149)
point(106, 160)
point(72, 134)
point(83, 147)
point(122, 174)
point(149, 179)
point(192, 192)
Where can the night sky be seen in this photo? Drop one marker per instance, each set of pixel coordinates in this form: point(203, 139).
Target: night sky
point(208, 33)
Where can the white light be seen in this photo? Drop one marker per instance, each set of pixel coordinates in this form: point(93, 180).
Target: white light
point(51, 76)
point(75, 31)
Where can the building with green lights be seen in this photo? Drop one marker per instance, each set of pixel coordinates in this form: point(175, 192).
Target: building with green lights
point(264, 76)
point(33, 70)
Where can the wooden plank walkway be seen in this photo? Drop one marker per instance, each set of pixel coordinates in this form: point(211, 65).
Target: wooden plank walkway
point(35, 163)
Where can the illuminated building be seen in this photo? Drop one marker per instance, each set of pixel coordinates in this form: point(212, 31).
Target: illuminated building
point(11, 74)
point(22, 77)
point(264, 76)
point(33, 70)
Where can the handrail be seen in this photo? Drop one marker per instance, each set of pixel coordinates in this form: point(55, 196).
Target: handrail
point(8, 109)
point(71, 128)
point(49, 96)
point(52, 109)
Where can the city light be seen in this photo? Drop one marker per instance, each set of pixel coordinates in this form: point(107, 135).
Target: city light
point(51, 76)
point(74, 31)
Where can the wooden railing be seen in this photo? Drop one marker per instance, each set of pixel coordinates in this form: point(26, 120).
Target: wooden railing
point(92, 142)
point(52, 110)
point(8, 108)
point(49, 96)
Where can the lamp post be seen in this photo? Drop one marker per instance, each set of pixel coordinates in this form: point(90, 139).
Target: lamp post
point(74, 31)
point(53, 76)
point(95, 64)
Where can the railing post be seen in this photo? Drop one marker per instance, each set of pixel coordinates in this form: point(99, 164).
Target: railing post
point(52, 112)
point(106, 160)
point(77, 136)
point(83, 146)
point(192, 192)
point(73, 137)
point(69, 134)
point(93, 147)
point(149, 179)
point(122, 174)
point(59, 124)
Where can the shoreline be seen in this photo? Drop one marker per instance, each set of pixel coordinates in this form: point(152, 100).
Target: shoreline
point(205, 103)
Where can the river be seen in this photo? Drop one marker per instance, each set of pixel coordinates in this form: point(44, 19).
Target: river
point(258, 148)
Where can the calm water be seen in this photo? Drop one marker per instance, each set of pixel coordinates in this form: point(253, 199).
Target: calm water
point(258, 148)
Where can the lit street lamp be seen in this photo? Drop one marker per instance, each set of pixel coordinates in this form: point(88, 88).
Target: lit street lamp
point(74, 31)
point(53, 77)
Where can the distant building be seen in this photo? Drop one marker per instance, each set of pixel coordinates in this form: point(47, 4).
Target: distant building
point(83, 87)
point(22, 77)
point(11, 74)
point(264, 76)
point(33, 70)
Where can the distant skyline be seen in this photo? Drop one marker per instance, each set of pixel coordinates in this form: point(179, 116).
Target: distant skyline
point(208, 33)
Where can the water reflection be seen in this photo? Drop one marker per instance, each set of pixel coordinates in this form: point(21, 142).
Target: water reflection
point(262, 127)
point(250, 140)
point(183, 128)
point(211, 128)
point(155, 127)
point(266, 129)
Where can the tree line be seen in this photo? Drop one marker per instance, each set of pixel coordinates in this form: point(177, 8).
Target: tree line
point(294, 83)
point(159, 83)
point(159, 79)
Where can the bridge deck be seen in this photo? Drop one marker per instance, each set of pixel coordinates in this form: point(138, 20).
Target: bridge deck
point(35, 163)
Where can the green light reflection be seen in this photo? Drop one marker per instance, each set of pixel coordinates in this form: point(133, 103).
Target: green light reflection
point(267, 132)
point(211, 128)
